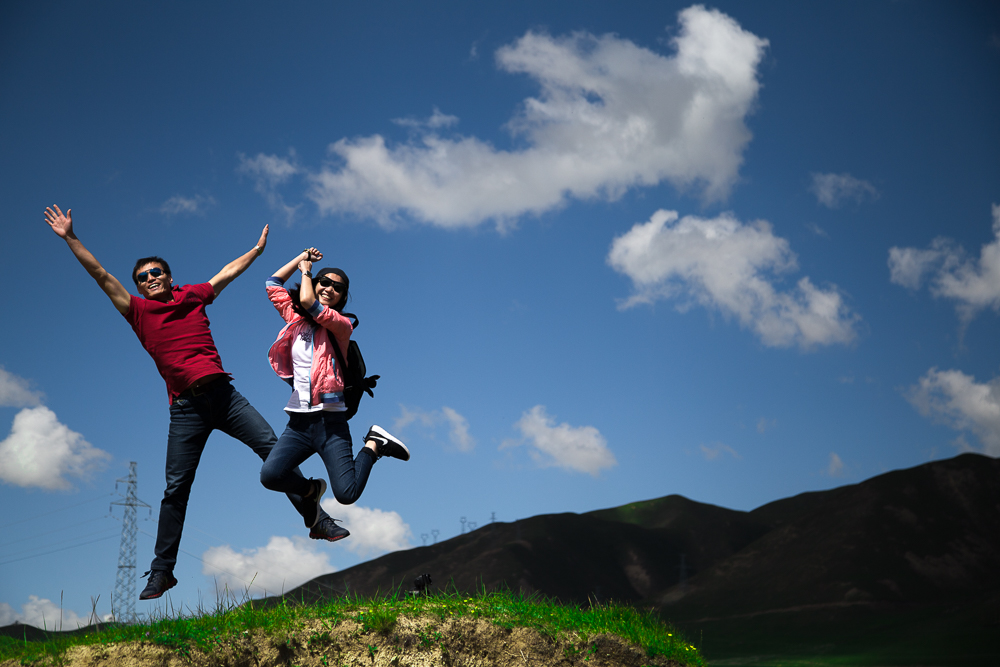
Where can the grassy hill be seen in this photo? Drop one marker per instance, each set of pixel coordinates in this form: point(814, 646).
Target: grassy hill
point(498, 629)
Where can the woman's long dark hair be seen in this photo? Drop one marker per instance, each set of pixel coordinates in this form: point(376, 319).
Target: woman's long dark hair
point(294, 293)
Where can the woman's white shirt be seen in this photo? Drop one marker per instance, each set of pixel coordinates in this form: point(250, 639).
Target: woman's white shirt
point(302, 357)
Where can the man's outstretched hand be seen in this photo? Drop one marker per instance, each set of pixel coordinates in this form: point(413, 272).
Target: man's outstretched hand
point(62, 223)
point(263, 240)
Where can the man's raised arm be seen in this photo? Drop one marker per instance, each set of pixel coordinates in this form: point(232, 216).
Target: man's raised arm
point(230, 271)
point(62, 225)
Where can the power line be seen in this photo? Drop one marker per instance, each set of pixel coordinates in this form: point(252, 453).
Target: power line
point(100, 539)
point(50, 532)
point(61, 509)
point(60, 542)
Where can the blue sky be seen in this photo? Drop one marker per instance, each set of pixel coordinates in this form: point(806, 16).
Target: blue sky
point(600, 252)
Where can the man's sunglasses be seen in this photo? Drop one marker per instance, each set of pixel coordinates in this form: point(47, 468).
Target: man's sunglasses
point(337, 286)
point(156, 273)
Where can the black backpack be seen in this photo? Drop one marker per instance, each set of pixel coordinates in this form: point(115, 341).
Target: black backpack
point(353, 372)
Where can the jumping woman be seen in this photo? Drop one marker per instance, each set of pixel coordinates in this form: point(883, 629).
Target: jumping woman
point(303, 357)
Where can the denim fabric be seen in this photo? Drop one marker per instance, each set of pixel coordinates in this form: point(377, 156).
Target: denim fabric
point(192, 419)
point(324, 433)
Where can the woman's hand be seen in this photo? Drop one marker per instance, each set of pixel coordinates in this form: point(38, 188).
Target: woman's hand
point(305, 266)
point(312, 254)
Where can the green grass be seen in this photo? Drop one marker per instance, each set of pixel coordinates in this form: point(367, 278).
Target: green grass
point(228, 622)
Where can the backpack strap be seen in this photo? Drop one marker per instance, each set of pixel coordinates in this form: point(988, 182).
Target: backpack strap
point(340, 356)
point(355, 322)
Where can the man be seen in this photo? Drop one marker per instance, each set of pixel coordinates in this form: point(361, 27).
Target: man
point(172, 326)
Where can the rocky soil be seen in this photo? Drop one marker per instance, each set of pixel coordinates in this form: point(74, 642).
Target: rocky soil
point(420, 642)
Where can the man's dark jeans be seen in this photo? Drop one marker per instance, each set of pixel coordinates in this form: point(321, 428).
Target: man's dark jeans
point(217, 405)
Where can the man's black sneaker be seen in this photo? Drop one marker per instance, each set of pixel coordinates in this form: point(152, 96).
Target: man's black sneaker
point(387, 444)
point(317, 487)
point(160, 581)
point(328, 530)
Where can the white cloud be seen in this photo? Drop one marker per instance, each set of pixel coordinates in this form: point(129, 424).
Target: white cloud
point(458, 426)
point(956, 399)
point(269, 172)
point(712, 452)
point(816, 229)
point(724, 264)
point(436, 121)
point(832, 190)
point(178, 205)
point(764, 424)
point(835, 467)
point(42, 452)
point(273, 569)
point(16, 392)
point(577, 448)
point(610, 115)
point(373, 531)
point(974, 285)
point(42, 613)
point(458, 432)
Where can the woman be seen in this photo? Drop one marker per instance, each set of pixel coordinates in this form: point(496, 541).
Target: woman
point(317, 424)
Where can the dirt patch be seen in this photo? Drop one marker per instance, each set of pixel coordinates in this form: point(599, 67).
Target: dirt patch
point(412, 642)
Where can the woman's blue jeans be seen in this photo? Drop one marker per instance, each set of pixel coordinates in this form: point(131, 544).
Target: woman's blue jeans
point(218, 406)
point(326, 434)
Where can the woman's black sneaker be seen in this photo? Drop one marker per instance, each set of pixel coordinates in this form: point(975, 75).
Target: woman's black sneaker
point(387, 444)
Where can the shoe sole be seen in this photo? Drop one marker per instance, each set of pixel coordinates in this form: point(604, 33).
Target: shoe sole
point(328, 539)
point(388, 436)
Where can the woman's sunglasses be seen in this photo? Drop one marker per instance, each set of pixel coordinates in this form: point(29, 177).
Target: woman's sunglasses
point(338, 287)
point(156, 273)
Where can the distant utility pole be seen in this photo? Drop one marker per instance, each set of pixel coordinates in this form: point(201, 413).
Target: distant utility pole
point(124, 596)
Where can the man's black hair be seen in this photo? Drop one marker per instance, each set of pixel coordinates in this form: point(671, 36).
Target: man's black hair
point(139, 263)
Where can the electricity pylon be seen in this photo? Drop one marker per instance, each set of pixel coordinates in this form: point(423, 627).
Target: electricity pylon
point(124, 598)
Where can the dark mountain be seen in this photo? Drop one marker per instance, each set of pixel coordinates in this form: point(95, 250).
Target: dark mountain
point(928, 534)
point(903, 568)
point(925, 534)
point(628, 553)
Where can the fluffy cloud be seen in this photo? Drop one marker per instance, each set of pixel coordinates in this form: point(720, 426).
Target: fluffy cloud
point(42, 613)
point(712, 452)
point(764, 424)
point(835, 467)
point(832, 190)
point(610, 115)
point(724, 264)
point(269, 172)
point(16, 392)
point(437, 120)
point(457, 425)
point(373, 531)
point(179, 205)
point(577, 448)
point(42, 452)
point(973, 284)
point(956, 399)
point(273, 569)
